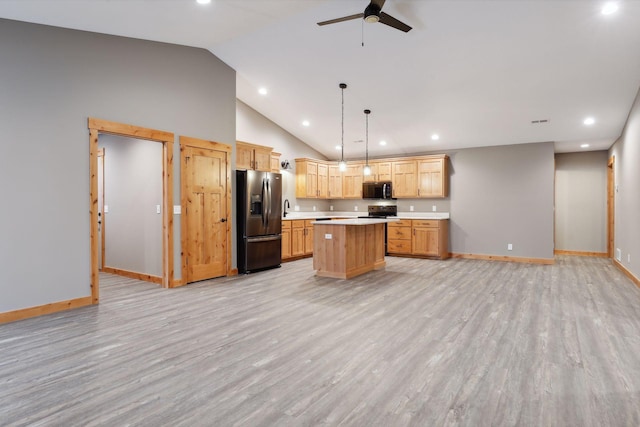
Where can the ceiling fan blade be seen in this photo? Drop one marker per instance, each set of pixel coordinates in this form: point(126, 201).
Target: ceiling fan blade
point(393, 22)
point(345, 18)
point(378, 3)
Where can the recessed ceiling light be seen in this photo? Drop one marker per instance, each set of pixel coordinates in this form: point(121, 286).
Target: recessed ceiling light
point(305, 123)
point(338, 147)
point(263, 91)
point(609, 8)
point(383, 142)
point(589, 121)
point(584, 146)
point(203, 1)
point(435, 137)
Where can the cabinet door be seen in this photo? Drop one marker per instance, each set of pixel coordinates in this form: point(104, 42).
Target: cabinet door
point(323, 181)
point(352, 182)
point(308, 240)
point(335, 182)
point(425, 241)
point(244, 156)
point(431, 178)
point(262, 159)
point(286, 244)
point(275, 162)
point(384, 171)
point(297, 241)
point(405, 178)
point(373, 176)
point(312, 179)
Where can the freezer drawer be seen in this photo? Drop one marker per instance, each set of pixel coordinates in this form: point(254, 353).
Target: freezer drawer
point(261, 253)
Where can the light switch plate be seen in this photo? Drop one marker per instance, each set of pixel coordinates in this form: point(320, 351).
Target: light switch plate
point(106, 209)
point(157, 209)
point(177, 209)
point(509, 247)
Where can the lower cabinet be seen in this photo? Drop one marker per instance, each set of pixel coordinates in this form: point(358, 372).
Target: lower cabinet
point(297, 238)
point(418, 237)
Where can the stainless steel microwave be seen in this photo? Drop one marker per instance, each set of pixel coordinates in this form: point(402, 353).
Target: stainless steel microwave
point(377, 190)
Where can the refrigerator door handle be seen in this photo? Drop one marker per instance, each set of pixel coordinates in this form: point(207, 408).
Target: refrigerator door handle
point(264, 203)
point(269, 200)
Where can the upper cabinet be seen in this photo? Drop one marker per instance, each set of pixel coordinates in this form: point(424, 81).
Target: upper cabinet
point(275, 162)
point(412, 177)
point(252, 156)
point(404, 177)
point(380, 171)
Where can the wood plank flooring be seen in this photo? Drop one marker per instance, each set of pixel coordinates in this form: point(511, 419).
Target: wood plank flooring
point(423, 343)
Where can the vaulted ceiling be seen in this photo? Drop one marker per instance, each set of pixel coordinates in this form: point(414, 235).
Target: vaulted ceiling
point(474, 72)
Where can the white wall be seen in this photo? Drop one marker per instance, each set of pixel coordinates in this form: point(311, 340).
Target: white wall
point(581, 202)
point(133, 190)
point(51, 81)
point(627, 197)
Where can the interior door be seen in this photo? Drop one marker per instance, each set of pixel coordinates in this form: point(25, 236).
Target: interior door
point(205, 171)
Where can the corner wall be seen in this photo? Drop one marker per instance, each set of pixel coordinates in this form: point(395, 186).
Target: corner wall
point(626, 151)
point(51, 81)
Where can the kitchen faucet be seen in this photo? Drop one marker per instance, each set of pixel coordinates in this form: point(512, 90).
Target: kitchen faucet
point(286, 205)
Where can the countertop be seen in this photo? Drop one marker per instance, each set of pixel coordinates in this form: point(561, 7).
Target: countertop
point(355, 215)
point(357, 221)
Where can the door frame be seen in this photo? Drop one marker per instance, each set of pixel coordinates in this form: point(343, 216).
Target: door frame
point(186, 141)
point(101, 219)
point(611, 206)
point(97, 126)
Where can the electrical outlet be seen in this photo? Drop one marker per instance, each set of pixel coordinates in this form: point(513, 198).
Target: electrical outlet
point(618, 255)
point(433, 208)
point(296, 208)
point(331, 208)
point(314, 208)
point(355, 208)
point(106, 208)
point(629, 258)
point(157, 209)
point(410, 208)
point(177, 209)
point(509, 247)
point(328, 236)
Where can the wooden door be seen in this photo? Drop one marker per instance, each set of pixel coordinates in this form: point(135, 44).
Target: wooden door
point(205, 186)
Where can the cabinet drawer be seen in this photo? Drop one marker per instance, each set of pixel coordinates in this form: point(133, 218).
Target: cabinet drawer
point(399, 233)
point(401, 223)
point(286, 225)
point(399, 246)
point(297, 223)
point(432, 223)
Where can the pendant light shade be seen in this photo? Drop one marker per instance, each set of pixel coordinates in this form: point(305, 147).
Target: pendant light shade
point(367, 168)
point(342, 164)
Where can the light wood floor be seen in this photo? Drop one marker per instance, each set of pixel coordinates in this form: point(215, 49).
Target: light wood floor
point(424, 343)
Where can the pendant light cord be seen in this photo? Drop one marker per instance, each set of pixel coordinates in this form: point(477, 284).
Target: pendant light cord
point(342, 138)
point(366, 112)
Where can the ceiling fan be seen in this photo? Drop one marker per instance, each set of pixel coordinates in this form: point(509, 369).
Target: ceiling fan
point(373, 13)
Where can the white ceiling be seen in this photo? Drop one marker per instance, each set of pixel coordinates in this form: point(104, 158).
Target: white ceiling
point(476, 72)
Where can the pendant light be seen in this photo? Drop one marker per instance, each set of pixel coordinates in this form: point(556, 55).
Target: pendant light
point(367, 168)
point(342, 164)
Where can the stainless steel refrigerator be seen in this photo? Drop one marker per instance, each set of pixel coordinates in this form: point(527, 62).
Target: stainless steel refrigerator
point(259, 220)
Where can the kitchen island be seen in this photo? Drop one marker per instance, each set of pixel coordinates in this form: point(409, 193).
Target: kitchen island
point(346, 248)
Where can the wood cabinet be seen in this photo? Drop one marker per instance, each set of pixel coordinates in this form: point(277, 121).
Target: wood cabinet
point(297, 238)
point(252, 156)
point(286, 239)
point(432, 175)
point(312, 179)
point(380, 171)
point(404, 176)
point(421, 238)
point(335, 182)
point(352, 182)
point(275, 162)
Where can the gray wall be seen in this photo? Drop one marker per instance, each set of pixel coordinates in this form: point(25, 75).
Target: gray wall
point(133, 191)
point(627, 197)
point(51, 80)
point(502, 195)
point(581, 201)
